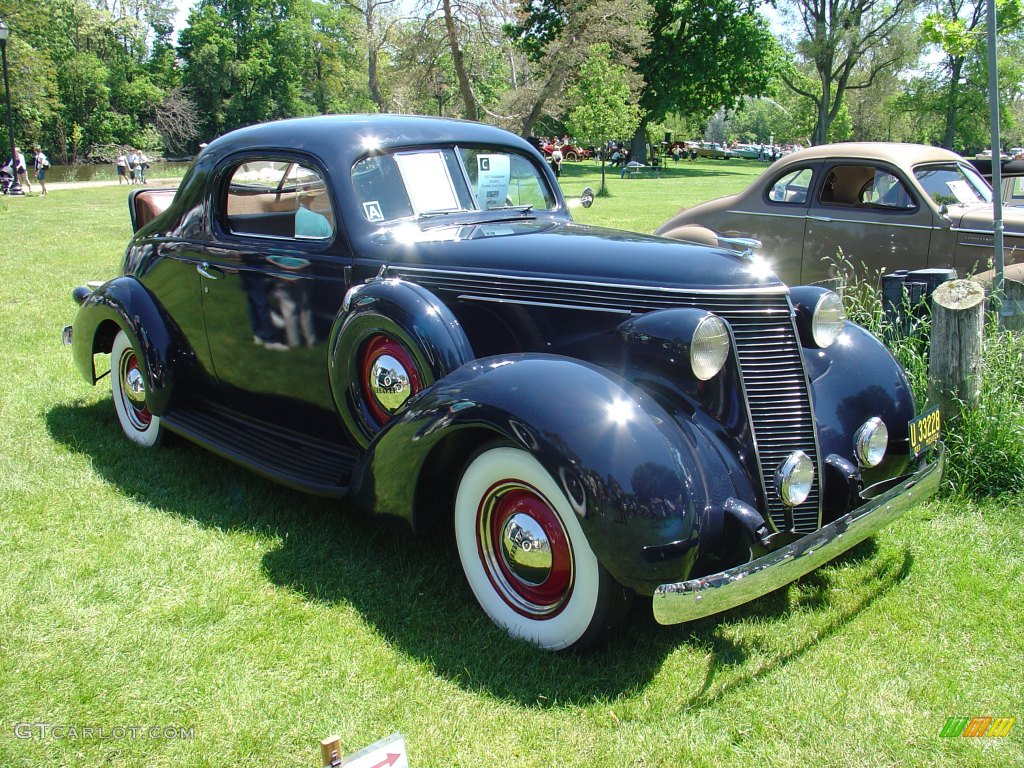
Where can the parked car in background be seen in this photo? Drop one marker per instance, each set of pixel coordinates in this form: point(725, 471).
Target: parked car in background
point(1011, 179)
point(570, 152)
point(400, 311)
point(713, 151)
point(885, 206)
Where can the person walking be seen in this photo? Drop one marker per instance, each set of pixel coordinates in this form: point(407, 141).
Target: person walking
point(20, 169)
point(40, 162)
point(122, 167)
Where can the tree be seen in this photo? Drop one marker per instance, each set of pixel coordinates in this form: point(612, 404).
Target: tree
point(957, 28)
point(556, 36)
point(604, 104)
point(836, 37)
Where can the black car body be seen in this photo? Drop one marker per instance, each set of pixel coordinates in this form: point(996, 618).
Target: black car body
point(601, 413)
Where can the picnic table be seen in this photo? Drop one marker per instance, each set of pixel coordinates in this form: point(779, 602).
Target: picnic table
point(636, 170)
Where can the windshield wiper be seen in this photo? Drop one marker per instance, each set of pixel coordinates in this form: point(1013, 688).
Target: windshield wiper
point(438, 214)
point(520, 208)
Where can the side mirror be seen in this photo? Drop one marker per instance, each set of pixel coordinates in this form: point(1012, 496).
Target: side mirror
point(587, 198)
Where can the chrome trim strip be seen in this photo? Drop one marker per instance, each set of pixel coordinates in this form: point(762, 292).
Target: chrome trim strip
point(770, 215)
point(697, 598)
point(765, 290)
point(497, 300)
point(984, 232)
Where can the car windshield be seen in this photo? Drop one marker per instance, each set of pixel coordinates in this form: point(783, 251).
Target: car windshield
point(953, 184)
point(448, 180)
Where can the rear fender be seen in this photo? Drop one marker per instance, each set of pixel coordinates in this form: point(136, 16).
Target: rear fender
point(644, 485)
point(125, 304)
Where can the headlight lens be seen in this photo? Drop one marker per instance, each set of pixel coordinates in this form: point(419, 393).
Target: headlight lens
point(870, 442)
point(794, 478)
point(709, 348)
point(828, 320)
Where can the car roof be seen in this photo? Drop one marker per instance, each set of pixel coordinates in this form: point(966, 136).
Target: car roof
point(903, 155)
point(361, 132)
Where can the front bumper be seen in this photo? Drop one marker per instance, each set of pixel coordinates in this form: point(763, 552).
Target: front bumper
point(697, 598)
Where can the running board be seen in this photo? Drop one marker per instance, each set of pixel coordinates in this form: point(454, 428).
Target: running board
point(280, 454)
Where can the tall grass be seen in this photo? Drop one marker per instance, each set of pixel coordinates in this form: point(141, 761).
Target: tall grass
point(985, 443)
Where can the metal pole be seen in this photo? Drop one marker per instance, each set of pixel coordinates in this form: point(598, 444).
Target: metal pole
point(15, 185)
point(997, 177)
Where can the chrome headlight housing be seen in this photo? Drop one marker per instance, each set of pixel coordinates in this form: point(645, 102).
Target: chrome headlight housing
point(709, 348)
point(820, 316)
point(870, 442)
point(828, 319)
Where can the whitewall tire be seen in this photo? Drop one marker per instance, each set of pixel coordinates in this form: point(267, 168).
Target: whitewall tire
point(128, 387)
point(525, 555)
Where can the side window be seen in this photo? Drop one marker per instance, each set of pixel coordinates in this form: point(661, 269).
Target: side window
point(844, 183)
point(883, 190)
point(791, 188)
point(278, 198)
point(1017, 191)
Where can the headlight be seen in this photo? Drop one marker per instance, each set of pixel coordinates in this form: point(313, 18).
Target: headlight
point(870, 442)
point(828, 319)
point(709, 348)
point(794, 478)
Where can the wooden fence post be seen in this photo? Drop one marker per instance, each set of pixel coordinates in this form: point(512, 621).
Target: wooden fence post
point(1012, 305)
point(954, 365)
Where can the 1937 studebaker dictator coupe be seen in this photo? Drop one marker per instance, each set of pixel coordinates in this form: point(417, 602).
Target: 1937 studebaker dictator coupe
point(401, 311)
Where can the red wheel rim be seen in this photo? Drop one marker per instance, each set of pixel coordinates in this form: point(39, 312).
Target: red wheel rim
point(378, 349)
point(133, 393)
point(525, 549)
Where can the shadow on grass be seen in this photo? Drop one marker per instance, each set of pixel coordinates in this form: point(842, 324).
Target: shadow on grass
point(412, 589)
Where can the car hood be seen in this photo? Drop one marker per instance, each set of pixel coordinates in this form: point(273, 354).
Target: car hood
point(546, 249)
point(979, 217)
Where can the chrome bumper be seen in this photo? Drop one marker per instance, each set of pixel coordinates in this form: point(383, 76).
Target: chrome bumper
point(697, 598)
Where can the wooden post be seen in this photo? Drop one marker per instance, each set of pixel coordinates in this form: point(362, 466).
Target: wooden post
point(1012, 305)
point(954, 365)
point(330, 751)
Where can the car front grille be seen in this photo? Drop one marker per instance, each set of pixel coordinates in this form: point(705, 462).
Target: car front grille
point(766, 347)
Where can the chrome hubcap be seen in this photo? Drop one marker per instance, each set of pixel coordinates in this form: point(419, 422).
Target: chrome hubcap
point(526, 549)
point(389, 382)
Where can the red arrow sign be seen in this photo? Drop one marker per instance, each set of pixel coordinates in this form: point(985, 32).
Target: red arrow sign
point(391, 760)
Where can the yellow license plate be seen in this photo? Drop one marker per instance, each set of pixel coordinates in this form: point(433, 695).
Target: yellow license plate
point(925, 431)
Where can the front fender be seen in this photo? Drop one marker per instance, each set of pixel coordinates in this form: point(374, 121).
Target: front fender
point(646, 486)
point(124, 303)
point(851, 381)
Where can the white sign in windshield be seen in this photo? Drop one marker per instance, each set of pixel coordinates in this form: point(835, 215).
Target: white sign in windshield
point(493, 172)
point(963, 191)
point(427, 181)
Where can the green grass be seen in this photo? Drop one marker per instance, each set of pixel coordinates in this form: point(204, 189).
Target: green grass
point(171, 588)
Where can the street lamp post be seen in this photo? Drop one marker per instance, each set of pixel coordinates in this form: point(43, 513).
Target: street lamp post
point(5, 32)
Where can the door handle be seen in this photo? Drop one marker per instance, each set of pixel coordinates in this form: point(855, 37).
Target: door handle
point(211, 273)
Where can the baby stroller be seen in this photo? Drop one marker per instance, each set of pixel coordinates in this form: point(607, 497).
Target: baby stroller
point(6, 179)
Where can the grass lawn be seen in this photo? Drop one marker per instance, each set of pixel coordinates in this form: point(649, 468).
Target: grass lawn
point(173, 589)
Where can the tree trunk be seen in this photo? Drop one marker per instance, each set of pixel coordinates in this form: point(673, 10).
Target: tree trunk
point(554, 83)
point(638, 144)
point(372, 52)
point(956, 67)
point(468, 98)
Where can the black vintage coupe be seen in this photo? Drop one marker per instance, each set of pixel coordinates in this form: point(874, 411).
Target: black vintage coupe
point(401, 311)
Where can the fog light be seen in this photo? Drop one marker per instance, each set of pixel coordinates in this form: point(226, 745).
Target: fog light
point(793, 479)
point(870, 442)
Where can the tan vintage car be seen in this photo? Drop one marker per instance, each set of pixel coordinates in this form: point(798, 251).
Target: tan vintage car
point(885, 206)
